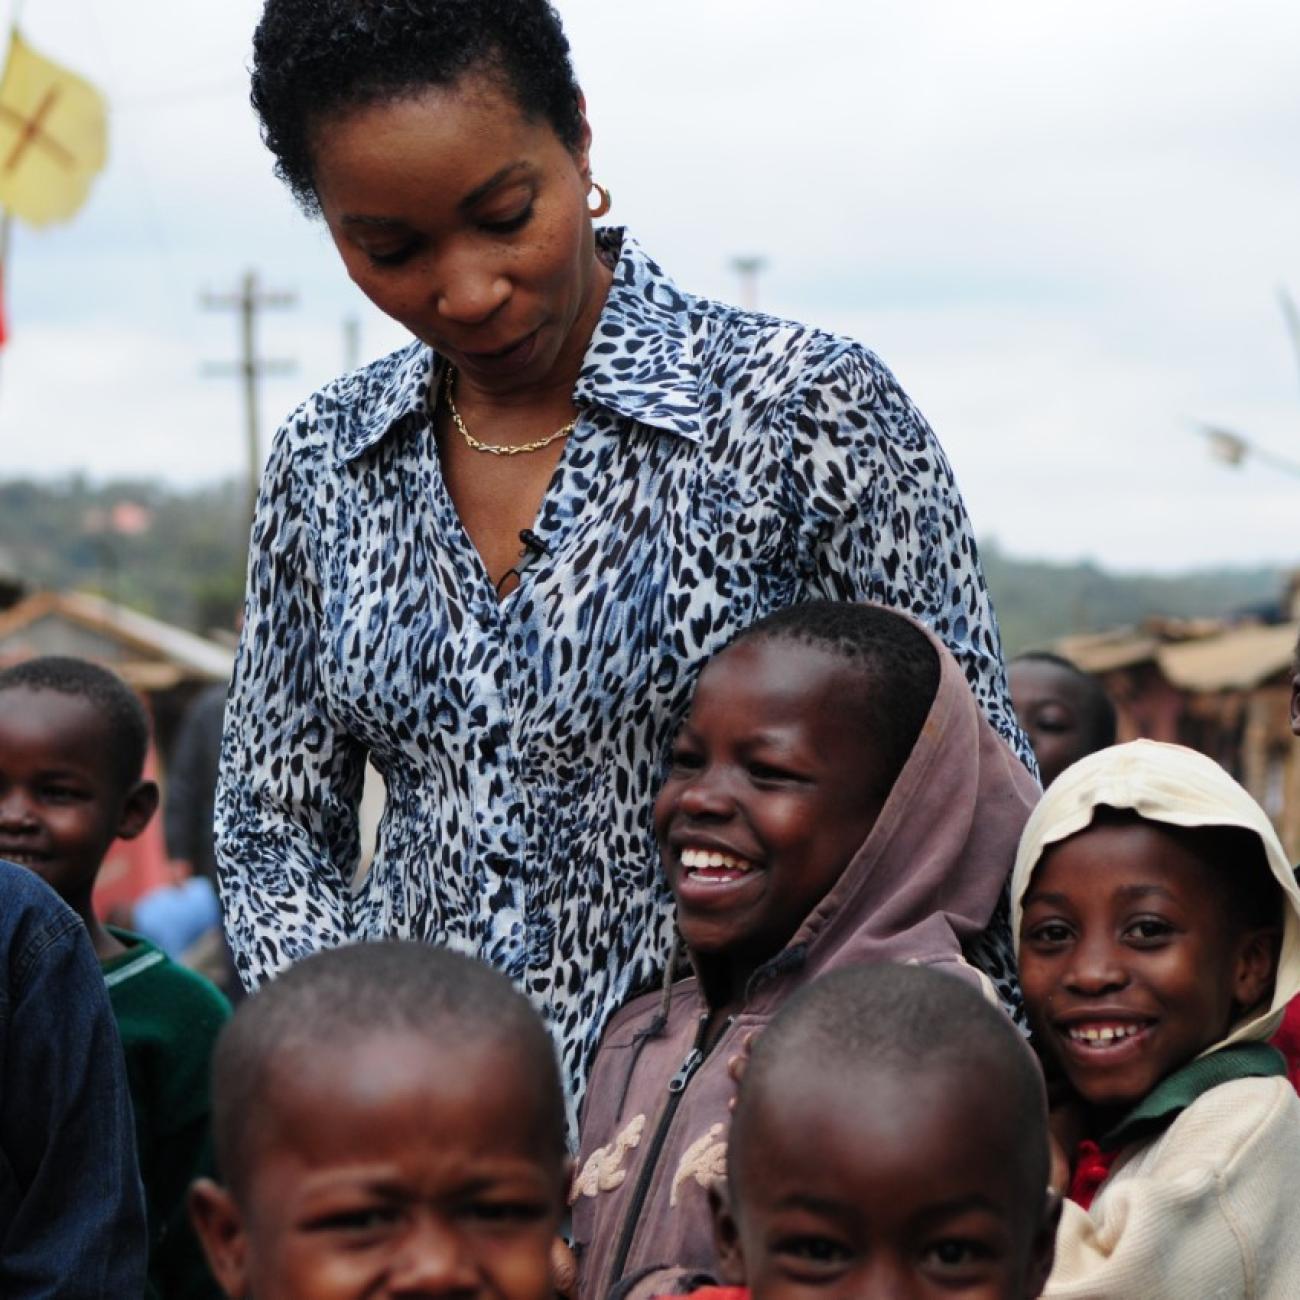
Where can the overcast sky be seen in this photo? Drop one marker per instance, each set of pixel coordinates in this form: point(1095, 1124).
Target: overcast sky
point(1063, 225)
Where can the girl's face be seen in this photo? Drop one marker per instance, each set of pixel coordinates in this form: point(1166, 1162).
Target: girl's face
point(1131, 961)
point(467, 222)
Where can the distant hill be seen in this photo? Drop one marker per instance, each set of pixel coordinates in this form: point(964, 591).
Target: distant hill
point(1038, 602)
point(179, 555)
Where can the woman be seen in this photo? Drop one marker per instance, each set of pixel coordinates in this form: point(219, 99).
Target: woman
point(494, 560)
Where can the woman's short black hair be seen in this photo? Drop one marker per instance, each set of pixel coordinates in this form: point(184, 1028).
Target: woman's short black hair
point(315, 57)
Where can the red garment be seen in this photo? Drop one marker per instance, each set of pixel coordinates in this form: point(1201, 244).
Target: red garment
point(1287, 1041)
point(1091, 1166)
point(712, 1293)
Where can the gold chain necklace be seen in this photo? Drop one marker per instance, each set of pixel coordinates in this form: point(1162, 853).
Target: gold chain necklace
point(497, 449)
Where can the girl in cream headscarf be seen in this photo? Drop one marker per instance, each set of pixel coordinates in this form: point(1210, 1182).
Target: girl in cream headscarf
point(1158, 926)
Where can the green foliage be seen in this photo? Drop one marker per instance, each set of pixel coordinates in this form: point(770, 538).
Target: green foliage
point(186, 567)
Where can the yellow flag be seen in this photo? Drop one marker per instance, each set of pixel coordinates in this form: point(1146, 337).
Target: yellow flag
point(53, 137)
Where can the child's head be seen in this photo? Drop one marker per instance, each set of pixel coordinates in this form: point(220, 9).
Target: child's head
point(388, 1120)
point(796, 734)
point(1152, 898)
point(890, 1139)
point(73, 738)
point(1065, 712)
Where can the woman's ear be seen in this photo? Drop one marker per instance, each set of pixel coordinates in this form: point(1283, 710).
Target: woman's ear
point(1256, 967)
point(726, 1236)
point(220, 1228)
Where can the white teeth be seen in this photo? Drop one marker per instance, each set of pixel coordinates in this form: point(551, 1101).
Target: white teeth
point(1104, 1033)
point(713, 860)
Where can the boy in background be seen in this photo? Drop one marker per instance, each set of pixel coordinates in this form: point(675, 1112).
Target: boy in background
point(890, 1139)
point(1064, 711)
point(1159, 931)
point(73, 738)
point(389, 1121)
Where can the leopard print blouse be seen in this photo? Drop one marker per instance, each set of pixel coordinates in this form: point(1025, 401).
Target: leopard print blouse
point(724, 464)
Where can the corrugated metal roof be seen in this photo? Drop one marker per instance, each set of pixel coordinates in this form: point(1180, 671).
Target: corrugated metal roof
point(1237, 659)
point(146, 637)
point(1103, 652)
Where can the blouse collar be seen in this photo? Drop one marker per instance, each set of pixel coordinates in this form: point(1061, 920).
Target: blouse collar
point(640, 362)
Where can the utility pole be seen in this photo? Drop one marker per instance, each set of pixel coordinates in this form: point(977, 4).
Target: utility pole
point(248, 300)
point(748, 268)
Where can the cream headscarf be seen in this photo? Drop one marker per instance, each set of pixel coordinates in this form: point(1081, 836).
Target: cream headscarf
point(1177, 786)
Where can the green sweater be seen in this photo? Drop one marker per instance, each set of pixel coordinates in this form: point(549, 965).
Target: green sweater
point(169, 1018)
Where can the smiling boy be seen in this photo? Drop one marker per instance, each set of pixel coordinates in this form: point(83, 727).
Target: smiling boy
point(389, 1122)
point(1159, 931)
point(73, 738)
point(834, 798)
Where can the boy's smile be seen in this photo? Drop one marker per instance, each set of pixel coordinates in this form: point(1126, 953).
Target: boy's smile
point(1131, 961)
point(774, 786)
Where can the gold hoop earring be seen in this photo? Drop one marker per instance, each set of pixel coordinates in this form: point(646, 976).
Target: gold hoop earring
point(603, 201)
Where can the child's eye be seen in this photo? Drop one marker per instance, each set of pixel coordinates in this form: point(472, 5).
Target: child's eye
point(1149, 929)
point(1049, 934)
point(686, 760)
point(363, 1219)
point(504, 1212)
point(956, 1253)
point(1053, 721)
point(813, 1250)
point(61, 794)
point(769, 772)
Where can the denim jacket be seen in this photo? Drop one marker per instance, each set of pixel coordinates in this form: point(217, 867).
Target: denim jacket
point(72, 1223)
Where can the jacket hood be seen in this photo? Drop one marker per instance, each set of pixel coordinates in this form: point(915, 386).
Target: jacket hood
point(1179, 787)
point(929, 875)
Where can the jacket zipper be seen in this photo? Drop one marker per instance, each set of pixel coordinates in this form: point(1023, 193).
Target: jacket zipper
point(676, 1088)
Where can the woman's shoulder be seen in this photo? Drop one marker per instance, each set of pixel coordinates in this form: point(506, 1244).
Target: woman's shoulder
point(802, 354)
point(354, 410)
point(734, 353)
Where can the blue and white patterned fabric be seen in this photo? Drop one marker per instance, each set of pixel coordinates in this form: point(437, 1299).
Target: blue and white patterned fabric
point(724, 464)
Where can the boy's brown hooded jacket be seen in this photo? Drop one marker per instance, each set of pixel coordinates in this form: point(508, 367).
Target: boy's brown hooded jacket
point(923, 885)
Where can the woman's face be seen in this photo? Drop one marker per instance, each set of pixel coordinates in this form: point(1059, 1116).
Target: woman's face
point(467, 222)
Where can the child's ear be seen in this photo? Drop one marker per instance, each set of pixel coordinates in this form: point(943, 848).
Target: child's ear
point(1043, 1251)
point(220, 1228)
point(1256, 967)
point(138, 808)
point(1295, 705)
point(726, 1236)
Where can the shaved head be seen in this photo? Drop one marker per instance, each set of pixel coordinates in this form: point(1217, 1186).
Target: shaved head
point(349, 995)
